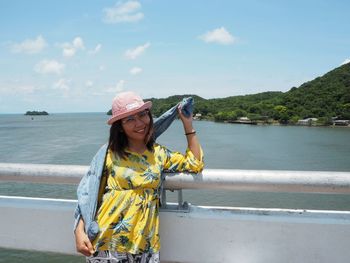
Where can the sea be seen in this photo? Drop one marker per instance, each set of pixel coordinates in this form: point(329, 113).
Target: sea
point(74, 138)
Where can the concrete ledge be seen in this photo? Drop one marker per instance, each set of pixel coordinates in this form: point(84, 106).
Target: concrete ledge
point(205, 234)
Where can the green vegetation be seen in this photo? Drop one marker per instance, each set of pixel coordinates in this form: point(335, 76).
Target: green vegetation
point(36, 113)
point(322, 98)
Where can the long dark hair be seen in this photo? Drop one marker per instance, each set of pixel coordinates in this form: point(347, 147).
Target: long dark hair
point(118, 140)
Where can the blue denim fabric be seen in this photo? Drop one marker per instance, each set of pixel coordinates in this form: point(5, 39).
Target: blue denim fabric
point(90, 183)
point(164, 121)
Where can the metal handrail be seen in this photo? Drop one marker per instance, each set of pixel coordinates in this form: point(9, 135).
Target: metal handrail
point(216, 179)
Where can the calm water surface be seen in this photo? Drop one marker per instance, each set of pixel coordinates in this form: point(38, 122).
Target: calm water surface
point(75, 138)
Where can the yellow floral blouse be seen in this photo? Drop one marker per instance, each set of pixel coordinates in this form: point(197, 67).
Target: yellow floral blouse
point(128, 215)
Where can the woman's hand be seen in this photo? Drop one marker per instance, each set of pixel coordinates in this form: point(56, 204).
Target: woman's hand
point(192, 141)
point(82, 241)
point(83, 244)
point(186, 121)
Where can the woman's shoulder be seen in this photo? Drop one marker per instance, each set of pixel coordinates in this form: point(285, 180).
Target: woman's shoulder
point(158, 148)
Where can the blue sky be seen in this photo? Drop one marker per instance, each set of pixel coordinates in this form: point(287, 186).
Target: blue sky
point(75, 56)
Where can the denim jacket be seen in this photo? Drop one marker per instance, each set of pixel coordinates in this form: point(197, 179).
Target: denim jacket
point(89, 186)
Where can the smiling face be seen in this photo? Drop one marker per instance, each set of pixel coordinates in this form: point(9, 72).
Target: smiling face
point(137, 126)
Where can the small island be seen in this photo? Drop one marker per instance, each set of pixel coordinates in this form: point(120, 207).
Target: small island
point(32, 113)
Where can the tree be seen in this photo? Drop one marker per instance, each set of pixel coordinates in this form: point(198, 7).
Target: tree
point(345, 111)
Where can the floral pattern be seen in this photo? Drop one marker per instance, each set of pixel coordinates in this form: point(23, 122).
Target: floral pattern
point(128, 215)
point(114, 257)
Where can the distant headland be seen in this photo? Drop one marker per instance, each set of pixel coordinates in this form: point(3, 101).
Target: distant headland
point(31, 113)
point(323, 101)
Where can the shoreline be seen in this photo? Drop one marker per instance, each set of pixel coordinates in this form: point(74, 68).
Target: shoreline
point(259, 123)
point(254, 123)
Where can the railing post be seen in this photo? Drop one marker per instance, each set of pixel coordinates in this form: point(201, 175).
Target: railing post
point(179, 198)
point(163, 198)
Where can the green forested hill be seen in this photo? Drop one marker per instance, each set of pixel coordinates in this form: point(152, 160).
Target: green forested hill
point(323, 98)
point(223, 108)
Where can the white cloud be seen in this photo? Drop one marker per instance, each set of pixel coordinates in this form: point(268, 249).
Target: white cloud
point(134, 53)
point(89, 83)
point(101, 68)
point(95, 50)
point(346, 61)
point(17, 87)
point(135, 71)
point(70, 49)
point(123, 12)
point(117, 88)
point(78, 43)
point(49, 66)
point(27, 88)
point(21, 89)
point(120, 85)
point(30, 46)
point(219, 35)
point(62, 84)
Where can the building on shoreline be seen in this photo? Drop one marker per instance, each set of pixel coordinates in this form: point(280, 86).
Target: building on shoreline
point(307, 121)
point(341, 122)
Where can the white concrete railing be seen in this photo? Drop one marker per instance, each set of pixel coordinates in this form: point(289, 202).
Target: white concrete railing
point(204, 234)
point(218, 179)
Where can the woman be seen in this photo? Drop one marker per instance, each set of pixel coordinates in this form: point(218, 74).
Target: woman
point(126, 222)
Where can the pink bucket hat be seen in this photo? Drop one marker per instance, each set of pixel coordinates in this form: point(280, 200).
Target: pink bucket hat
point(125, 104)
